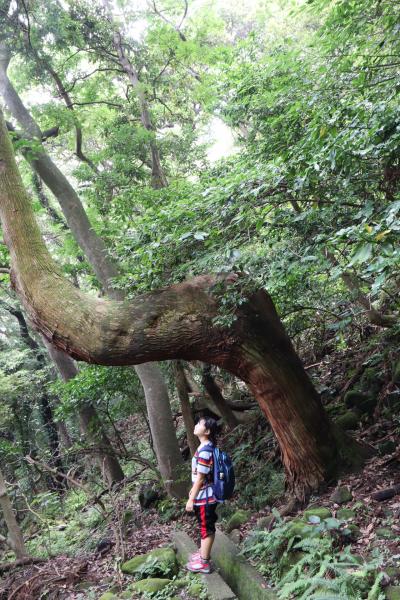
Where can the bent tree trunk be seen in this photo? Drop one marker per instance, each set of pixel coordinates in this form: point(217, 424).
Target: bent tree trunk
point(90, 423)
point(187, 413)
point(15, 539)
point(176, 322)
point(150, 376)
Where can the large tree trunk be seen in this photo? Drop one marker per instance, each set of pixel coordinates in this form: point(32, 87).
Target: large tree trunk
point(187, 414)
point(90, 423)
point(154, 386)
point(176, 322)
point(15, 539)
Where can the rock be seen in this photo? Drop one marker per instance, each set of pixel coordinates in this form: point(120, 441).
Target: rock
point(368, 405)
point(341, 495)
point(393, 592)
point(234, 535)
point(288, 561)
point(166, 559)
point(150, 586)
point(348, 421)
point(354, 531)
point(353, 398)
point(385, 533)
point(387, 447)
point(195, 589)
point(393, 572)
point(264, 522)
point(321, 512)
point(238, 518)
point(108, 596)
point(298, 529)
point(345, 513)
point(148, 495)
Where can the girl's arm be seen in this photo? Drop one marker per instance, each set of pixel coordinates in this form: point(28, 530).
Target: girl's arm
point(195, 490)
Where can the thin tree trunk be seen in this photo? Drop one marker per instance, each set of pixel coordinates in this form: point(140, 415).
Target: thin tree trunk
point(187, 414)
point(215, 394)
point(172, 323)
point(90, 423)
point(150, 376)
point(15, 538)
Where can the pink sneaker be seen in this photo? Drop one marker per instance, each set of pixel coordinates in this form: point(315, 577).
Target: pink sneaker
point(199, 566)
point(194, 556)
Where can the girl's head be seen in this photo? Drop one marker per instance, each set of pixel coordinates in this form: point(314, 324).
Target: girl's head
point(207, 426)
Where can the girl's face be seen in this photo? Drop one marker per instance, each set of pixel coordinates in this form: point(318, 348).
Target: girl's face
point(200, 428)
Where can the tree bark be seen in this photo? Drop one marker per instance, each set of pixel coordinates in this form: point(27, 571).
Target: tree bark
point(90, 423)
point(187, 414)
point(171, 323)
point(154, 386)
point(215, 393)
point(15, 538)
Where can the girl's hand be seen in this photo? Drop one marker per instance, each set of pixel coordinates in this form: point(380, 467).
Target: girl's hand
point(189, 505)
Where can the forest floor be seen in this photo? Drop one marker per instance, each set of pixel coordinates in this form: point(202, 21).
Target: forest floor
point(91, 567)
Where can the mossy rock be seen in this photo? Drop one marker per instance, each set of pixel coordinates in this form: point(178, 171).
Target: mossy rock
point(348, 421)
point(234, 535)
point(108, 596)
point(288, 561)
point(368, 405)
point(264, 522)
point(151, 585)
point(125, 596)
point(240, 517)
point(354, 397)
point(165, 558)
point(321, 512)
point(345, 513)
point(396, 372)
point(195, 589)
point(341, 495)
point(392, 401)
point(299, 529)
point(393, 592)
point(354, 531)
point(387, 447)
point(393, 572)
point(385, 533)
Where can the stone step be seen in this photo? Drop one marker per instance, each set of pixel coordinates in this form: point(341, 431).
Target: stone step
point(245, 581)
point(216, 586)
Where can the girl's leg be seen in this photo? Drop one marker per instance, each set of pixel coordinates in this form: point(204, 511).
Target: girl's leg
point(206, 545)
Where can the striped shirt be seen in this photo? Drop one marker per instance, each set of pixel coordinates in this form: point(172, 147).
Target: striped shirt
point(202, 462)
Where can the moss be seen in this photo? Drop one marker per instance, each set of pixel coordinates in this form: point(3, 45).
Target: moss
point(387, 447)
point(150, 586)
point(321, 512)
point(353, 398)
point(165, 557)
point(195, 589)
point(299, 529)
point(385, 533)
point(345, 513)
point(355, 531)
point(108, 596)
point(348, 421)
point(341, 495)
point(393, 592)
point(237, 519)
point(264, 522)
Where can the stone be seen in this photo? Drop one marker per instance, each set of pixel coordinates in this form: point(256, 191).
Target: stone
point(234, 535)
point(148, 495)
point(387, 447)
point(298, 529)
point(165, 557)
point(341, 495)
point(240, 517)
point(264, 522)
point(151, 585)
point(354, 531)
point(321, 512)
point(385, 533)
point(393, 592)
point(345, 513)
point(348, 421)
point(353, 398)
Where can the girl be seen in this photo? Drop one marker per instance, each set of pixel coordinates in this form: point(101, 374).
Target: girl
point(201, 496)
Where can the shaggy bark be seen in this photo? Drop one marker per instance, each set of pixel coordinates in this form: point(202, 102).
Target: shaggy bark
point(171, 323)
point(155, 389)
point(15, 539)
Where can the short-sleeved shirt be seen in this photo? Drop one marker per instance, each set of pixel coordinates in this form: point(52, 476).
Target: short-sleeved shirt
point(203, 462)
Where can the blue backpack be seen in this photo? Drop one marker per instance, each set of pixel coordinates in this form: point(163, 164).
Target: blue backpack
point(223, 482)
